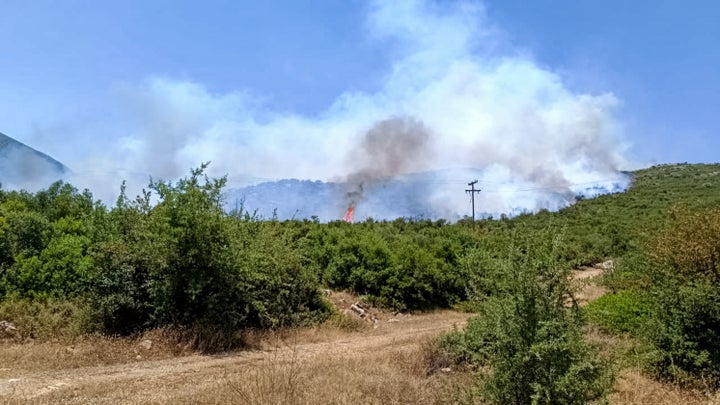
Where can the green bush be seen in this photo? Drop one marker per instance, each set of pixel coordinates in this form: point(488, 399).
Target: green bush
point(623, 312)
point(196, 281)
point(630, 272)
point(532, 343)
point(184, 262)
point(175, 257)
point(279, 289)
point(685, 328)
point(403, 265)
point(685, 296)
point(61, 267)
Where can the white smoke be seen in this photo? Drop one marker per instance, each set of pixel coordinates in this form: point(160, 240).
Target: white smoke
point(487, 105)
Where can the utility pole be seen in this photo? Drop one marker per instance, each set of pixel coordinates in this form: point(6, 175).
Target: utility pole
point(472, 192)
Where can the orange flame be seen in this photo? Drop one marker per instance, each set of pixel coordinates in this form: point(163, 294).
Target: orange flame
point(349, 214)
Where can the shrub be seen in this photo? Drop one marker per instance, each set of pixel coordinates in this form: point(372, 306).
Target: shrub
point(280, 291)
point(62, 268)
point(685, 328)
point(185, 263)
point(629, 273)
point(685, 294)
point(690, 247)
point(417, 269)
point(622, 312)
point(533, 345)
point(195, 281)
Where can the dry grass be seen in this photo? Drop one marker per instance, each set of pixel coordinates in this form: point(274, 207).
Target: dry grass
point(63, 354)
point(21, 358)
point(391, 376)
point(47, 319)
point(93, 350)
point(317, 365)
point(326, 364)
point(346, 360)
point(633, 387)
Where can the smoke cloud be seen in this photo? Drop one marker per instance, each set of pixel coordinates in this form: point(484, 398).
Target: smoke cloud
point(390, 148)
point(456, 97)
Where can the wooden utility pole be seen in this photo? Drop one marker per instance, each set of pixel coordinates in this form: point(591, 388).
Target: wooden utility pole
point(472, 192)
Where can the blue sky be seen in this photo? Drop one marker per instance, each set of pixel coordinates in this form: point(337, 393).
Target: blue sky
point(661, 58)
point(70, 68)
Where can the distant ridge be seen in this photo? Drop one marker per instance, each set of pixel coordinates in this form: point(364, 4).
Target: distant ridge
point(21, 165)
point(437, 194)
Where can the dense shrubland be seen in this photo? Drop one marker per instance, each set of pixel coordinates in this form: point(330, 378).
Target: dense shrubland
point(181, 261)
point(173, 257)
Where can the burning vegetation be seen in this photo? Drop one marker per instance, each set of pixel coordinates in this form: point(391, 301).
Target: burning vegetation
point(390, 148)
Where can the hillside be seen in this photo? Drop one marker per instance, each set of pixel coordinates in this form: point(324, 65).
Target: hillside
point(437, 194)
point(21, 165)
point(610, 225)
point(654, 191)
point(74, 269)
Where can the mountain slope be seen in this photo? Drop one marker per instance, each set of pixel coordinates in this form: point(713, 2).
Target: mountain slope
point(427, 195)
point(22, 166)
point(612, 225)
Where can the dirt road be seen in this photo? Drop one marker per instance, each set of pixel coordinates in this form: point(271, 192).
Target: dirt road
point(586, 282)
point(182, 377)
point(313, 357)
point(385, 364)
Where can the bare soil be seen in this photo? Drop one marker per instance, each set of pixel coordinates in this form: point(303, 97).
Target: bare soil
point(586, 284)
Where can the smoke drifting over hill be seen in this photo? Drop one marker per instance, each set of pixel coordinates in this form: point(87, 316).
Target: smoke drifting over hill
point(390, 148)
point(456, 96)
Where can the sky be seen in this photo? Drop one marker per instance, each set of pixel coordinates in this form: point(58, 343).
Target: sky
point(157, 86)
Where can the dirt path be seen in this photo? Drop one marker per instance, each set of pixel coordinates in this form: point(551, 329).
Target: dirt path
point(633, 386)
point(144, 379)
point(586, 282)
point(165, 380)
point(307, 366)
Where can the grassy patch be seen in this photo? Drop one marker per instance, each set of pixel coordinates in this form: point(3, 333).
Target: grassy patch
point(622, 312)
point(48, 318)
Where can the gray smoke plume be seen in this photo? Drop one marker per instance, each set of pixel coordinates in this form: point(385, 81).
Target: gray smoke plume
point(390, 148)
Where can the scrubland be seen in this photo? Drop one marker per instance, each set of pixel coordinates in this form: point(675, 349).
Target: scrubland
point(166, 298)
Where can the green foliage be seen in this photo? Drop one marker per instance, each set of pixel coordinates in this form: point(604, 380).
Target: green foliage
point(685, 328)
point(197, 281)
point(130, 248)
point(614, 225)
point(684, 264)
point(23, 232)
point(532, 343)
point(173, 256)
point(402, 265)
point(690, 247)
point(280, 289)
point(121, 291)
point(623, 312)
point(630, 272)
point(43, 257)
point(185, 262)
